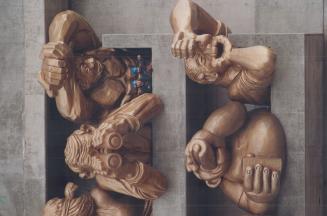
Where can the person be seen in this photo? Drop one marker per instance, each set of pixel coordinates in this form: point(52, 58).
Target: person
point(86, 81)
point(117, 152)
point(249, 174)
point(209, 57)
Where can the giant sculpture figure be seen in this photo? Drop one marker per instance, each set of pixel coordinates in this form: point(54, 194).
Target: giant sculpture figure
point(108, 91)
point(249, 174)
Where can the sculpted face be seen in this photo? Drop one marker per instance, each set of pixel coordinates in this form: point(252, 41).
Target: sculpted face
point(89, 72)
point(81, 156)
point(209, 64)
point(70, 205)
point(200, 69)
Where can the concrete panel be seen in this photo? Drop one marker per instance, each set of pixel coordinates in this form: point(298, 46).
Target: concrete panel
point(296, 99)
point(11, 107)
point(169, 129)
point(144, 16)
point(289, 16)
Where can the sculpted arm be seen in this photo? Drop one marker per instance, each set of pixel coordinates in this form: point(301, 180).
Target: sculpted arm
point(192, 27)
point(189, 17)
point(73, 30)
point(206, 154)
point(68, 33)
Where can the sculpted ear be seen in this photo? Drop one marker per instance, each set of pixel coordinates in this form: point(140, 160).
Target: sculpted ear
point(87, 175)
point(87, 128)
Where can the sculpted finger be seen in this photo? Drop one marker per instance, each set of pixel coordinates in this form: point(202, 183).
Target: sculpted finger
point(178, 36)
point(178, 49)
point(266, 180)
point(275, 182)
point(203, 40)
point(191, 48)
point(53, 81)
point(56, 76)
point(257, 183)
point(195, 153)
point(184, 49)
point(189, 164)
point(54, 62)
point(51, 53)
point(248, 179)
point(50, 45)
point(52, 69)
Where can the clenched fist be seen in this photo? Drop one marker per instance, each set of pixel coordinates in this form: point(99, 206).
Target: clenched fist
point(185, 45)
point(56, 57)
point(207, 162)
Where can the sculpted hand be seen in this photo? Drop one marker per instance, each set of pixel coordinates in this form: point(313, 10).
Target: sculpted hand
point(199, 154)
point(185, 44)
point(261, 184)
point(55, 63)
point(204, 161)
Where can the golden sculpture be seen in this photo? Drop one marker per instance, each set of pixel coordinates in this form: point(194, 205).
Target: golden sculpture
point(97, 202)
point(116, 152)
point(102, 89)
point(250, 176)
point(87, 81)
point(210, 58)
point(249, 171)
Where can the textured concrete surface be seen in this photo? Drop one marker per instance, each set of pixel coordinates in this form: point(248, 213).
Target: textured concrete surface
point(11, 107)
point(144, 16)
point(289, 16)
point(243, 16)
point(169, 129)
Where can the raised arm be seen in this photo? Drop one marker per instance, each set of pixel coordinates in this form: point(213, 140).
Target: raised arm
point(68, 33)
point(73, 30)
point(188, 17)
point(206, 154)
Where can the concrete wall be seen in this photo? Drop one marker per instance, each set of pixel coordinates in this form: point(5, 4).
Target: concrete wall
point(23, 25)
point(20, 93)
point(243, 16)
point(11, 107)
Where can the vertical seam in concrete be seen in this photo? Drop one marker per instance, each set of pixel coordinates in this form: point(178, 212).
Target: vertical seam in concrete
point(23, 112)
point(324, 103)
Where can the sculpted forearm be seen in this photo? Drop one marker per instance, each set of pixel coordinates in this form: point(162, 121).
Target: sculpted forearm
point(72, 104)
point(189, 17)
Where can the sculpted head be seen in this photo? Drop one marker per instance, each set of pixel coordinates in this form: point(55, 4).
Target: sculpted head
point(70, 205)
point(208, 65)
point(89, 72)
point(81, 156)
